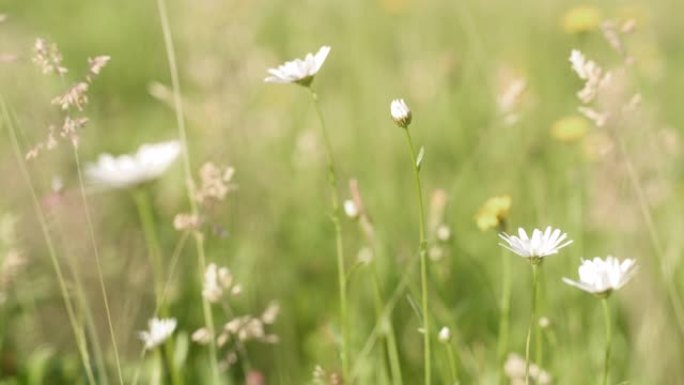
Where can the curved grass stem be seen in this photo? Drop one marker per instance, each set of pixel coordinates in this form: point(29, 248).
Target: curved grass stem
point(98, 264)
point(81, 342)
point(182, 134)
point(341, 273)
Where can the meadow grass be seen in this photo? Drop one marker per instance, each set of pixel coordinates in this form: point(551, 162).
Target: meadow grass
point(361, 299)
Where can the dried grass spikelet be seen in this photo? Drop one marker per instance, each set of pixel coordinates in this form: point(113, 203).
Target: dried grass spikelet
point(49, 59)
point(514, 368)
point(511, 89)
point(215, 183)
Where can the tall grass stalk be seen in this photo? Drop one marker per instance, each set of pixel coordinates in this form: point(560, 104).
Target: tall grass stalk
point(146, 216)
point(609, 338)
point(672, 292)
point(98, 264)
point(40, 215)
point(453, 367)
point(533, 316)
point(387, 330)
point(505, 310)
point(422, 253)
point(190, 186)
point(335, 216)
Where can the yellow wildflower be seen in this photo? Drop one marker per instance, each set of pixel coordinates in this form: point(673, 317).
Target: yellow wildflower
point(493, 213)
point(570, 129)
point(580, 19)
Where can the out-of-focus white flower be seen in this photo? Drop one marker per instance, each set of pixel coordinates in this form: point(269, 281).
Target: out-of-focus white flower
point(159, 331)
point(400, 113)
point(540, 245)
point(444, 335)
point(148, 163)
point(299, 71)
point(350, 209)
point(602, 276)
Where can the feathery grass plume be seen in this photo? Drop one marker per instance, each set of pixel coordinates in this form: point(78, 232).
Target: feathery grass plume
point(220, 287)
point(511, 87)
point(601, 277)
point(516, 372)
point(401, 115)
point(534, 249)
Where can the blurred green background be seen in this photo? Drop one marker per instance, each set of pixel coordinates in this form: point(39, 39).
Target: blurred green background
point(452, 61)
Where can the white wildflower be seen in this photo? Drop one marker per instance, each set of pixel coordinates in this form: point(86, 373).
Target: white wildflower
point(350, 209)
point(148, 163)
point(602, 276)
point(444, 335)
point(159, 331)
point(400, 113)
point(540, 245)
point(299, 71)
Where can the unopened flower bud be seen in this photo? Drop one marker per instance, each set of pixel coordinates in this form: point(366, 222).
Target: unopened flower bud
point(400, 113)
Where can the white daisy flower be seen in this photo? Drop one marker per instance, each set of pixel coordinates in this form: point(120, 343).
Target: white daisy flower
point(540, 245)
point(148, 163)
point(299, 71)
point(159, 331)
point(602, 276)
point(400, 113)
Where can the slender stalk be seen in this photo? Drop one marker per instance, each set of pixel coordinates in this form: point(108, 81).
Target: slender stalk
point(78, 333)
point(541, 299)
point(533, 317)
point(453, 368)
point(98, 264)
point(341, 274)
point(423, 260)
point(206, 306)
point(672, 292)
point(387, 330)
point(142, 203)
point(190, 186)
point(609, 337)
point(505, 312)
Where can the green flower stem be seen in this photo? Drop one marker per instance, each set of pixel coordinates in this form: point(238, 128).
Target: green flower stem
point(505, 313)
point(142, 202)
point(79, 335)
point(167, 352)
point(423, 260)
point(538, 337)
point(387, 330)
point(341, 274)
point(609, 337)
point(533, 317)
point(453, 367)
